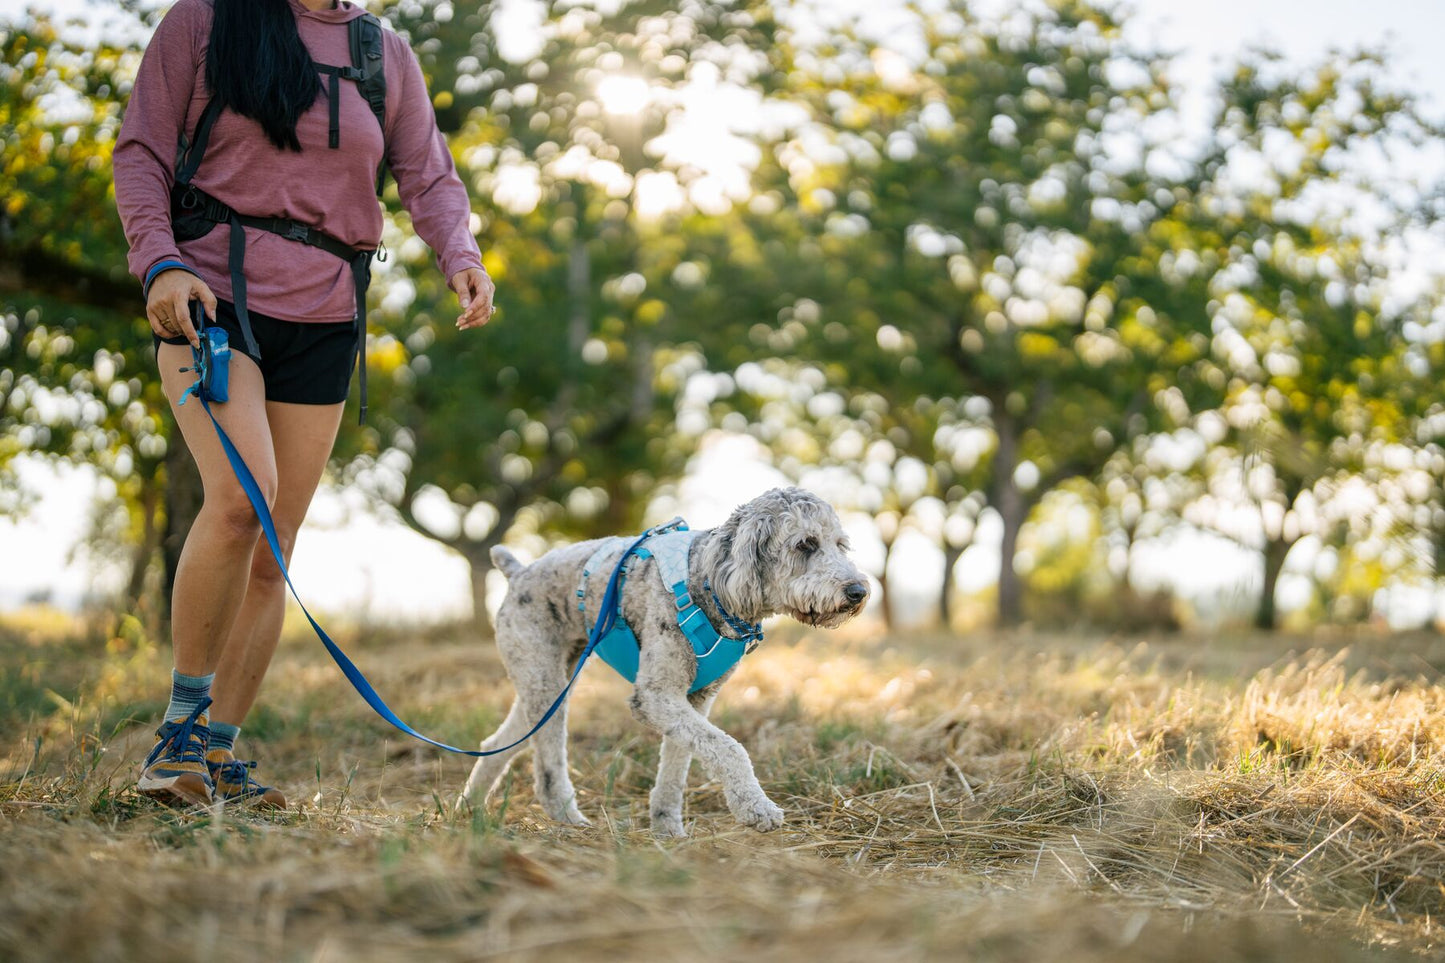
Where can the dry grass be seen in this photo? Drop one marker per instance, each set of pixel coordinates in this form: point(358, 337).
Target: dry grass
point(999, 798)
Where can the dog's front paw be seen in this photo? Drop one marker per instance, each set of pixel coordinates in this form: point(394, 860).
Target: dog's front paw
point(759, 812)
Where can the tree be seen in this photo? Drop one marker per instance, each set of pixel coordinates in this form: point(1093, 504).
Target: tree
point(1308, 348)
point(557, 418)
point(74, 345)
point(992, 238)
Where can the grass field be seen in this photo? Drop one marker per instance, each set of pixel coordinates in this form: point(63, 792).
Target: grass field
point(1008, 797)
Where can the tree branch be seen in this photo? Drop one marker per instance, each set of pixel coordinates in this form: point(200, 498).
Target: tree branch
point(34, 270)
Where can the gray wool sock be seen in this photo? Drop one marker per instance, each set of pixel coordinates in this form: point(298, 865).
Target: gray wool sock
point(187, 692)
point(223, 736)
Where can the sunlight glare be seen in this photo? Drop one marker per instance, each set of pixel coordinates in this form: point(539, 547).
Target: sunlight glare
point(623, 95)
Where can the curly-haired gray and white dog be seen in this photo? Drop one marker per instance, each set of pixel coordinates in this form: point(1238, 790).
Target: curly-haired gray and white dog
point(782, 552)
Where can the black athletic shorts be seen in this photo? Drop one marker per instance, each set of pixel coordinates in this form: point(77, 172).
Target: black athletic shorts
point(302, 363)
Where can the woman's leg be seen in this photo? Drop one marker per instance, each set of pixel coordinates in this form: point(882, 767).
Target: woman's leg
point(212, 574)
point(211, 577)
point(301, 437)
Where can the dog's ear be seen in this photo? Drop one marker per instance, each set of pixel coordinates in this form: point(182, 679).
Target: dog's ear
point(736, 560)
point(749, 561)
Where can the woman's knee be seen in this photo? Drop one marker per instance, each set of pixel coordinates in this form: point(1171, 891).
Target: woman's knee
point(263, 562)
point(234, 514)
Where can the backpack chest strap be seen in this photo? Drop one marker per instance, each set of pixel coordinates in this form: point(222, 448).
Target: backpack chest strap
point(333, 95)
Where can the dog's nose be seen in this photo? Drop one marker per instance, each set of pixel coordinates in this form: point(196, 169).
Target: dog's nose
point(855, 592)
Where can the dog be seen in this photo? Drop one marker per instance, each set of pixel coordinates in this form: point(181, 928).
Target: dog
point(782, 552)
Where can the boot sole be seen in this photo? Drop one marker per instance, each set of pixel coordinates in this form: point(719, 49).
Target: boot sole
point(253, 802)
point(187, 789)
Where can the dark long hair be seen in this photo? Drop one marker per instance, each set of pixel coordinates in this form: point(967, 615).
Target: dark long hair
point(259, 68)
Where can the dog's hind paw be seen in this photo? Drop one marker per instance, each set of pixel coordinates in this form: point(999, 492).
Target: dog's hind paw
point(573, 818)
point(668, 826)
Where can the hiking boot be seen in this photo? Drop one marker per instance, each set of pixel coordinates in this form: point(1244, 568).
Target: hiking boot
point(175, 772)
point(235, 785)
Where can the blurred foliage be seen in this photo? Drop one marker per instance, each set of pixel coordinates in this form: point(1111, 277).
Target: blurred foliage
point(72, 373)
point(977, 272)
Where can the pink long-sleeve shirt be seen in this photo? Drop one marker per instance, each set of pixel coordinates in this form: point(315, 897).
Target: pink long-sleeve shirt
point(332, 189)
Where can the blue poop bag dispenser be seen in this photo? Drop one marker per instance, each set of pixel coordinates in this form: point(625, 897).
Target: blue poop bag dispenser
point(212, 361)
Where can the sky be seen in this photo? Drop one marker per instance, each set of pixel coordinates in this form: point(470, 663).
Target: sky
point(348, 560)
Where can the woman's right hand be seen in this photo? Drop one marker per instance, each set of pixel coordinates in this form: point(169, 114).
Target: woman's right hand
point(169, 306)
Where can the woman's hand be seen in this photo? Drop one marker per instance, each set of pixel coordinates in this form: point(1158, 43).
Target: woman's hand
point(169, 306)
point(475, 291)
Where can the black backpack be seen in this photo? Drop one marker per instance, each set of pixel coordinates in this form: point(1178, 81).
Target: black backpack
point(194, 213)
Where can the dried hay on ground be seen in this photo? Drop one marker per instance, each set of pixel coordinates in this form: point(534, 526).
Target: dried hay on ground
point(1000, 798)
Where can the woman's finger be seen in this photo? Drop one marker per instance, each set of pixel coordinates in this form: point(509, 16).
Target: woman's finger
point(200, 291)
point(159, 323)
point(181, 305)
point(478, 301)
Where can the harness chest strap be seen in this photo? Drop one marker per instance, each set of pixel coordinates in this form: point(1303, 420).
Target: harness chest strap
point(716, 653)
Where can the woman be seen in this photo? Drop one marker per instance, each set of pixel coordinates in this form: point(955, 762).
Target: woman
point(284, 168)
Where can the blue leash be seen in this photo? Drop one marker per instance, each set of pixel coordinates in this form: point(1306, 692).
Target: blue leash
point(608, 617)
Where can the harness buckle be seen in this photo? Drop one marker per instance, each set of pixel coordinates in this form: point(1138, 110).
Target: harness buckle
point(676, 525)
point(296, 231)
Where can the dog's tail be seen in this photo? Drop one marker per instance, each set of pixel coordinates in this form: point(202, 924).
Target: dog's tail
point(506, 562)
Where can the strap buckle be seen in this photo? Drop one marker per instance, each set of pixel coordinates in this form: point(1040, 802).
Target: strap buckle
point(296, 231)
point(676, 525)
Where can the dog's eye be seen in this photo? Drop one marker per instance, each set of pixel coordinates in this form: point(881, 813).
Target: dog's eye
point(808, 546)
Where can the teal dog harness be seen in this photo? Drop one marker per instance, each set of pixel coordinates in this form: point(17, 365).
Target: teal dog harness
point(669, 545)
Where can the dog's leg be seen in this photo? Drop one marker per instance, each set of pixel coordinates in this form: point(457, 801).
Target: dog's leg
point(552, 781)
point(723, 756)
point(488, 771)
point(665, 803)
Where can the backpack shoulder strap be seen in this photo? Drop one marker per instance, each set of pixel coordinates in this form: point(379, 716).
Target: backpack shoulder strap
point(366, 57)
point(190, 151)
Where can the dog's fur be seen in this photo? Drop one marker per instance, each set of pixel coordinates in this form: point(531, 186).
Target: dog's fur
point(782, 552)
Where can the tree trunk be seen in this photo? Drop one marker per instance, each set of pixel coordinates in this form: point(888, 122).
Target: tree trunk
point(885, 606)
point(144, 552)
point(1012, 507)
point(1126, 577)
point(951, 555)
point(1276, 550)
point(616, 516)
point(890, 617)
point(479, 557)
point(182, 503)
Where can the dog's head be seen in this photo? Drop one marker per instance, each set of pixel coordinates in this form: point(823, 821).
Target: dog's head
point(785, 551)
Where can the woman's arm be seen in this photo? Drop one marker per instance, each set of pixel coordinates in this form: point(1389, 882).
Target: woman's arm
point(145, 152)
point(426, 178)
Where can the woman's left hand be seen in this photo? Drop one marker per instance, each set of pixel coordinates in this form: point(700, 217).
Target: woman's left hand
point(475, 291)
